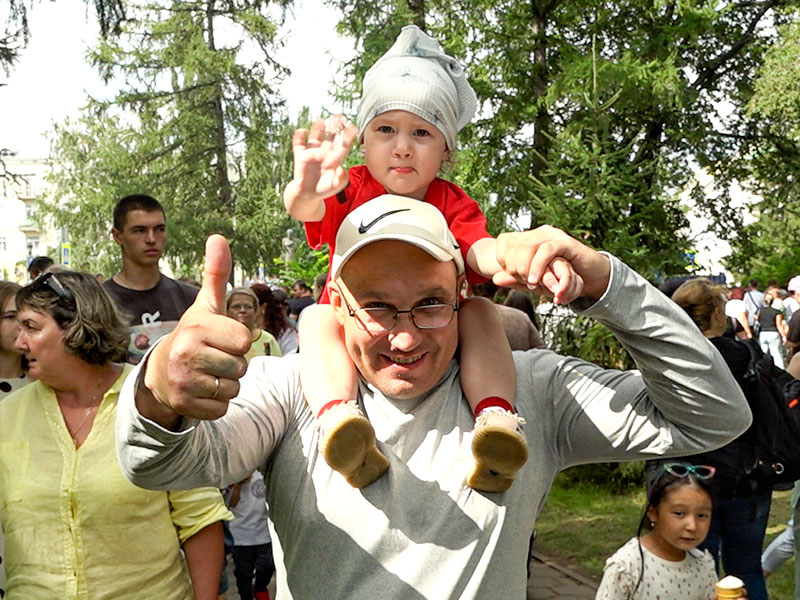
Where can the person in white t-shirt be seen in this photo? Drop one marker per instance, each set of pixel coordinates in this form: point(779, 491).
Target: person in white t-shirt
point(252, 546)
point(792, 303)
point(736, 309)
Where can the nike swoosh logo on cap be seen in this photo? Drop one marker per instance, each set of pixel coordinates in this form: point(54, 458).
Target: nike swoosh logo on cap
point(364, 228)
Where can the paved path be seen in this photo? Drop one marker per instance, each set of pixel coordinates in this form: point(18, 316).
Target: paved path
point(549, 580)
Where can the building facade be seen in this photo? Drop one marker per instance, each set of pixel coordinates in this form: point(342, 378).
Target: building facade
point(22, 234)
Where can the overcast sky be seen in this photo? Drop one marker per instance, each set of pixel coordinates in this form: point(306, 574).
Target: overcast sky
point(51, 79)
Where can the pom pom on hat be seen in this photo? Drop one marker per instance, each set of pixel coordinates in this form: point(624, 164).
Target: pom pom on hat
point(415, 75)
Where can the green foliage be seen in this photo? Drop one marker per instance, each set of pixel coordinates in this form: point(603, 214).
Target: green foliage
point(586, 339)
point(198, 124)
point(305, 266)
point(92, 172)
point(594, 114)
point(615, 477)
point(764, 247)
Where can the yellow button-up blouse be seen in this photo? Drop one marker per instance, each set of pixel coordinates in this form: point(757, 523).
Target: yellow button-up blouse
point(75, 527)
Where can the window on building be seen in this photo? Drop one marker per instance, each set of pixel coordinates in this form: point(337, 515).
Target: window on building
point(30, 186)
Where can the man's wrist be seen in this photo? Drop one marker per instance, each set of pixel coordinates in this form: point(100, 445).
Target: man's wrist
point(151, 407)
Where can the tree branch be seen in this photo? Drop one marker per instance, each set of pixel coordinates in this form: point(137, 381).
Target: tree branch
point(709, 72)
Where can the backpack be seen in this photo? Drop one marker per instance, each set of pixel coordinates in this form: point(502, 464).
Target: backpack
point(772, 454)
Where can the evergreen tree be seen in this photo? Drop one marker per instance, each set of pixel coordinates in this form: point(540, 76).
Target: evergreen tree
point(198, 123)
point(594, 113)
point(765, 247)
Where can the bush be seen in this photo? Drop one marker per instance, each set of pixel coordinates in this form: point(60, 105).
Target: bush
point(614, 477)
point(573, 335)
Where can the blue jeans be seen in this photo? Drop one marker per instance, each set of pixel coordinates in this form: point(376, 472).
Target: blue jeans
point(736, 535)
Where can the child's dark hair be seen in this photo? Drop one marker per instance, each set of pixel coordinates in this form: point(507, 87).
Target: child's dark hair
point(664, 484)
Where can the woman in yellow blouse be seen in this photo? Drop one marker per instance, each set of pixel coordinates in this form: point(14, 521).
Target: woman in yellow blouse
point(75, 527)
point(242, 305)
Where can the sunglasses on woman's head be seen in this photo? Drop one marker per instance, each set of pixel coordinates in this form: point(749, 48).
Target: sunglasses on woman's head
point(51, 282)
point(685, 469)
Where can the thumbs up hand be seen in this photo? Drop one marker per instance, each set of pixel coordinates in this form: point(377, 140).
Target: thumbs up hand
point(195, 369)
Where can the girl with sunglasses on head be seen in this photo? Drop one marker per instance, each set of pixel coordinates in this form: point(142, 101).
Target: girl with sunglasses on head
point(665, 563)
point(742, 505)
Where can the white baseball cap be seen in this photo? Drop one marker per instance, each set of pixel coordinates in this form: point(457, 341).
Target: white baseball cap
point(391, 217)
point(794, 284)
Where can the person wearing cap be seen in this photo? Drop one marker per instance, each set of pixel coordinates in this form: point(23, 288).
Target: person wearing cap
point(793, 328)
point(189, 415)
point(242, 305)
point(415, 100)
point(791, 304)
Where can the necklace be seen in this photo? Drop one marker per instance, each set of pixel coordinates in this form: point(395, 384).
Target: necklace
point(74, 434)
point(97, 400)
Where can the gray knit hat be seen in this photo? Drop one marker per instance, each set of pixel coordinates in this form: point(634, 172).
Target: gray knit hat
point(416, 76)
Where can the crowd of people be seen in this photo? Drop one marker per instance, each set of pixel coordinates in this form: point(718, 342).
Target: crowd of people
point(397, 429)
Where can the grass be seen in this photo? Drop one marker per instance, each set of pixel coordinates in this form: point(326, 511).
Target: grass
point(582, 524)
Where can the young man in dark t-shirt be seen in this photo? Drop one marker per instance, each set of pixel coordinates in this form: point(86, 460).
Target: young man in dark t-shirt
point(153, 301)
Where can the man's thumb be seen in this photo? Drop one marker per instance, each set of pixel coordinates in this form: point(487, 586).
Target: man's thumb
point(216, 271)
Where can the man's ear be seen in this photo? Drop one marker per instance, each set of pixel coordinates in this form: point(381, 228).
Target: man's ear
point(115, 233)
point(335, 296)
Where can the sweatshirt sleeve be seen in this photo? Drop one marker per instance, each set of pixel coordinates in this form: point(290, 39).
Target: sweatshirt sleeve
point(210, 453)
point(682, 400)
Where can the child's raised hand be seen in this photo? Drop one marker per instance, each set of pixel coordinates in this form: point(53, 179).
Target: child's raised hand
point(318, 156)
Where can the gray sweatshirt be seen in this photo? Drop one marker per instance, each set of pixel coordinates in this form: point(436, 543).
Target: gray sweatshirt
point(419, 531)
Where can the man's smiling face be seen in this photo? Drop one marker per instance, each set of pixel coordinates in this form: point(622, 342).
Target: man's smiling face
point(406, 361)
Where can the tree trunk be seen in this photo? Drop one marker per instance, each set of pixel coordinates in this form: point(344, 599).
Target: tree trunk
point(540, 10)
point(417, 8)
point(225, 191)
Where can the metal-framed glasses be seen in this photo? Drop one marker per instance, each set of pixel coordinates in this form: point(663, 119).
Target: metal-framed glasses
point(377, 319)
point(242, 307)
point(50, 281)
point(685, 469)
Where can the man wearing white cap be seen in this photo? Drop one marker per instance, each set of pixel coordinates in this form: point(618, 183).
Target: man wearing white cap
point(792, 303)
point(419, 532)
point(415, 99)
point(793, 330)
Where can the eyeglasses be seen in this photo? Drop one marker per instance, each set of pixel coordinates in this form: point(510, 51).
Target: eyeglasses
point(384, 318)
point(685, 469)
point(244, 307)
point(49, 281)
